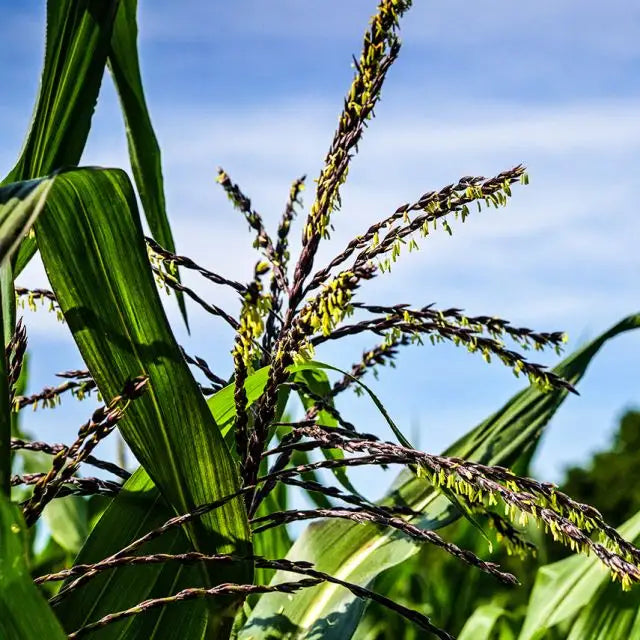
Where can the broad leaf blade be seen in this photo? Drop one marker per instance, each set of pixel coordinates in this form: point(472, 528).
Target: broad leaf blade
point(144, 151)
point(137, 509)
point(20, 205)
point(359, 553)
point(95, 257)
point(274, 542)
point(5, 400)
point(223, 405)
point(175, 621)
point(24, 613)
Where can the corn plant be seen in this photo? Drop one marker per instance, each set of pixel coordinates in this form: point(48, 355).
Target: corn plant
point(194, 543)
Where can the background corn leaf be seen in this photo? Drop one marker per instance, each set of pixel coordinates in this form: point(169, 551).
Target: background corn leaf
point(487, 623)
point(82, 35)
point(274, 542)
point(8, 419)
point(314, 365)
point(8, 307)
point(144, 151)
point(360, 552)
point(580, 585)
point(179, 621)
point(95, 257)
point(142, 508)
point(76, 49)
point(223, 405)
point(5, 402)
point(24, 613)
point(68, 521)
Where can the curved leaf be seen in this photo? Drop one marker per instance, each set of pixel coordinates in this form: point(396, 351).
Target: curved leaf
point(68, 521)
point(138, 508)
point(20, 205)
point(144, 151)
point(318, 382)
point(223, 405)
point(24, 613)
point(94, 253)
point(483, 624)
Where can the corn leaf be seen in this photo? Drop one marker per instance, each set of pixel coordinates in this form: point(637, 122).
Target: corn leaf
point(318, 382)
point(137, 509)
point(82, 36)
point(94, 253)
point(314, 365)
point(223, 405)
point(360, 552)
point(274, 542)
point(485, 624)
point(5, 414)
point(144, 151)
point(178, 621)
point(24, 613)
point(580, 588)
point(68, 521)
point(76, 49)
point(20, 205)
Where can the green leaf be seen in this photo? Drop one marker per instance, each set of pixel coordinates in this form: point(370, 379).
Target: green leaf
point(581, 585)
point(320, 500)
point(24, 613)
point(142, 508)
point(484, 622)
point(318, 382)
point(144, 151)
point(67, 519)
point(5, 419)
point(184, 620)
point(360, 552)
point(77, 44)
point(94, 253)
point(8, 419)
point(315, 366)
point(20, 205)
point(274, 542)
point(137, 509)
point(223, 406)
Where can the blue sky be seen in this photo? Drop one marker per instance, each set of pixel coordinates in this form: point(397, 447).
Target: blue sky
point(257, 87)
